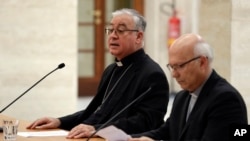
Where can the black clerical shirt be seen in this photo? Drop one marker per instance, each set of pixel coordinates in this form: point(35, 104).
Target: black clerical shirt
point(118, 73)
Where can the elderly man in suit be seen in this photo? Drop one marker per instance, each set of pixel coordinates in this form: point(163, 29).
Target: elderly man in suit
point(207, 106)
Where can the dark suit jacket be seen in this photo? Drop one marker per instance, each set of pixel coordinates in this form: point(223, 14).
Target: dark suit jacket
point(146, 114)
point(218, 106)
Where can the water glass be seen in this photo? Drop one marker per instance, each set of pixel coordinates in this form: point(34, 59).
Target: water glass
point(10, 128)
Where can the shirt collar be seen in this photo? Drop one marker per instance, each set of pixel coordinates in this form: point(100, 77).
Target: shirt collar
point(130, 58)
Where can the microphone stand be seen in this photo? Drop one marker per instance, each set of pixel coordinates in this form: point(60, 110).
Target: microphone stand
point(59, 67)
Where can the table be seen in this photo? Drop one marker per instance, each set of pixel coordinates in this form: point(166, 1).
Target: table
point(22, 128)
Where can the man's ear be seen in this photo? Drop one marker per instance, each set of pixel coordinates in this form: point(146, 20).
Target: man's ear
point(204, 61)
point(139, 37)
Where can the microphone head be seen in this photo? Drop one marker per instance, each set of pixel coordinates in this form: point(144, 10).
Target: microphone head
point(61, 65)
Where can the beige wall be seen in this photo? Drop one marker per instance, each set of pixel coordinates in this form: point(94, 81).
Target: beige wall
point(215, 27)
point(36, 36)
point(240, 50)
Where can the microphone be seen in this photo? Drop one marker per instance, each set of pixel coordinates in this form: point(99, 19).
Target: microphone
point(60, 66)
point(125, 108)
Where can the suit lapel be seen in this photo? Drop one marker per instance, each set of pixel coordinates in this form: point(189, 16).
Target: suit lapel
point(183, 116)
point(201, 100)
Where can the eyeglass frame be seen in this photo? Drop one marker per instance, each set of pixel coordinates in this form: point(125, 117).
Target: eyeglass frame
point(118, 32)
point(177, 67)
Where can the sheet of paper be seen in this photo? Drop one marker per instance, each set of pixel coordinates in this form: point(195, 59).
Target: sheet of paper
point(43, 133)
point(111, 133)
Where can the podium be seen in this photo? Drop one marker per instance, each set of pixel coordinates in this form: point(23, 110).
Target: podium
point(22, 128)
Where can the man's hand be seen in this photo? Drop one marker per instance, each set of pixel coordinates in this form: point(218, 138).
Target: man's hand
point(81, 131)
point(45, 123)
point(141, 139)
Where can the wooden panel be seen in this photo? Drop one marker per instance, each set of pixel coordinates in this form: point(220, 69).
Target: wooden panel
point(139, 6)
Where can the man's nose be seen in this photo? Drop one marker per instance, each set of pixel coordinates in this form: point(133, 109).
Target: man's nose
point(174, 73)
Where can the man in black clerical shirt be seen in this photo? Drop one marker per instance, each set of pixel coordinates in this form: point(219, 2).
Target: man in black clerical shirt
point(133, 73)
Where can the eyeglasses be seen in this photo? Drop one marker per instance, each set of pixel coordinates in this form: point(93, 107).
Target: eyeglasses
point(118, 32)
point(178, 67)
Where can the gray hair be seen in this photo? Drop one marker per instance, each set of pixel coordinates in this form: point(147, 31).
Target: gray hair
point(139, 20)
point(204, 49)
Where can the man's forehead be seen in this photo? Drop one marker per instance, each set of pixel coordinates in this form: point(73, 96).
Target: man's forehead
point(118, 25)
point(122, 20)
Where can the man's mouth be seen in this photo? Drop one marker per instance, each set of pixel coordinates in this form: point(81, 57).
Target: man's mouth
point(114, 44)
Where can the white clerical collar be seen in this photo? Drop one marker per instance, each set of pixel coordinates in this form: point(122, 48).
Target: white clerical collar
point(119, 64)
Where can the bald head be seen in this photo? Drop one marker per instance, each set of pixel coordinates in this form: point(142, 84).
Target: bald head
point(190, 58)
point(185, 44)
point(191, 45)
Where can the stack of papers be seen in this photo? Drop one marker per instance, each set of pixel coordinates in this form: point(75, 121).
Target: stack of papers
point(111, 133)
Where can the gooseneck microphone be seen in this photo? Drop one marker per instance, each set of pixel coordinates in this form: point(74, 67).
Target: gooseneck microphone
point(59, 67)
point(125, 108)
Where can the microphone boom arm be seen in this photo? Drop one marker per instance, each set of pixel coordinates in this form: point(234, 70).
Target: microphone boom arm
point(119, 113)
point(59, 67)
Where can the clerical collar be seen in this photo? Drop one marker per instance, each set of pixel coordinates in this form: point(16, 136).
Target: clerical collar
point(130, 58)
point(119, 64)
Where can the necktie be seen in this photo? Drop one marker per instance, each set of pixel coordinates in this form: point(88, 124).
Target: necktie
point(191, 105)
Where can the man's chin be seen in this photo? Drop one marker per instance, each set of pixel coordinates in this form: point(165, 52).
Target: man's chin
point(113, 52)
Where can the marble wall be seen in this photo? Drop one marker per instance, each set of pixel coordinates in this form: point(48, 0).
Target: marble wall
point(215, 27)
point(36, 36)
point(240, 50)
